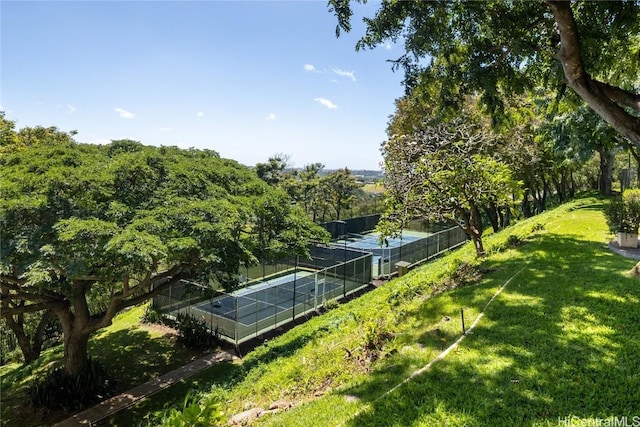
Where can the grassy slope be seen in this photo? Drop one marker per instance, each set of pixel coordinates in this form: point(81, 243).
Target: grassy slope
point(562, 340)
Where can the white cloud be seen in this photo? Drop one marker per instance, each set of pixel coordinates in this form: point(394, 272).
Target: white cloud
point(71, 108)
point(309, 67)
point(330, 105)
point(165, 129)
point(200, 114)
point(124, 113)
point(387, 46)
point(344, 73)
point(271, 116)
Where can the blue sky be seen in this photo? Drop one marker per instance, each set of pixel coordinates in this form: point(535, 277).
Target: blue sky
point(245, 78)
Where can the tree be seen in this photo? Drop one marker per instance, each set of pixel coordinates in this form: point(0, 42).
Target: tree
point(445, 173)
point(340, 187)
point(580, 131)
point(311, 195)
point(88, 231)
point(278, 173)
point(500, 48)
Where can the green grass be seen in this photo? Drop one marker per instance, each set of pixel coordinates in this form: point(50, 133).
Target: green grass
point(373, 188)
point(562, 340)
point(131, 352)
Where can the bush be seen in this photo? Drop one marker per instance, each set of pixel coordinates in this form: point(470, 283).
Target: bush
point(514, 241)
point(71, 392)
point(330, 304)
point(623, 213)
point(152, 315)
point(197, 411)
point(193, 333)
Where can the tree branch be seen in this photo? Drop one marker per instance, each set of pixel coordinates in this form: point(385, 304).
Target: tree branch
point(31, 308)
point(620, 96)
point(593, 93)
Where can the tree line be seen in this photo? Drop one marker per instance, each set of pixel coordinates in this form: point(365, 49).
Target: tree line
point(89, 230)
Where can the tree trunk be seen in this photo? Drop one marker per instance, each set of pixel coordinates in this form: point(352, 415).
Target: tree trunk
point(76, 332)
point(572, 188)
point(472, 226)
point(545, 191)
point(76, 356)
point(526, 206)
point(30, 346)
point(607, 101)
point(492, 214)
point(606, 170)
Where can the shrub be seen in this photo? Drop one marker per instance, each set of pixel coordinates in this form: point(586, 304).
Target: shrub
point(537, 227)
point(330, 304)
point(193, 333)
point(59, 390)
point(514, 241)
point(623, 213)
point(197, 411)
point(152, 315)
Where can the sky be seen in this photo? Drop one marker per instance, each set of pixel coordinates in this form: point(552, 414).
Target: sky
point(248, 79)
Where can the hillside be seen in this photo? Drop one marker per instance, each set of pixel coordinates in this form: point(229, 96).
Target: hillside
point(561, 340)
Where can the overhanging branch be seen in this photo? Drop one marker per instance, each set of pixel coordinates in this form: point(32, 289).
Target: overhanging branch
point(603, 99)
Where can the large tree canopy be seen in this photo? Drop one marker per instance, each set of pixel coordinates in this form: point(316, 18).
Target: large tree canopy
point(500, 48)
point(88, 231)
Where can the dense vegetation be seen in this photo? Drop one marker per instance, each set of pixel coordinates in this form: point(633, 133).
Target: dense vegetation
point(88, 231)
point(501, 50)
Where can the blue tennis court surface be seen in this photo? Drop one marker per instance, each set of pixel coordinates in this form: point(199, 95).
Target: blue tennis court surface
point(267, 298)
point(372, 241)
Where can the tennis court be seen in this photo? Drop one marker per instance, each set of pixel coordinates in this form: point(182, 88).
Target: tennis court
point(412, 246)
point(295, 289)
point(267, 298)
point(371, 241)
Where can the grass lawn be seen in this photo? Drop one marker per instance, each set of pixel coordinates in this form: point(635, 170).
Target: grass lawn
point(562, 340)
point(373, 188)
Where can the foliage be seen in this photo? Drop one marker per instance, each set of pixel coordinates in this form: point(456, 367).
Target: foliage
point(499, 49)
point(152, 315)
point(88, 231)
point(340, 187)
point(59, 390)
point(445, 173)
point(321, 195)
point(194, 333)
point(577, 132)
point(623, 213)
point(196, 411)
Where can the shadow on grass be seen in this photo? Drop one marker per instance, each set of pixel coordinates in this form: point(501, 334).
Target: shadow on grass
point(134, 356)
point(224, 375)
point(562, 340)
